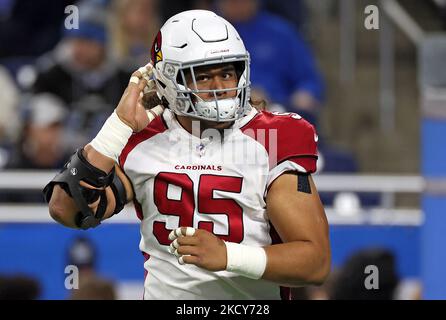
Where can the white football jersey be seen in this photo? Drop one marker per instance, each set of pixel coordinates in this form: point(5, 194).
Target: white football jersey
point(217, 183)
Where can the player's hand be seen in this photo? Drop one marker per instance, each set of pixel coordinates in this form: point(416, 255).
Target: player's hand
point(130, 108)
point(198, 247)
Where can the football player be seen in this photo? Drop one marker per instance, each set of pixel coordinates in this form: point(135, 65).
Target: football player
point(227, 204)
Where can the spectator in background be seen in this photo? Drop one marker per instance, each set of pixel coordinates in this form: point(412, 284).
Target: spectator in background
point(80, 72)
point(294, 11)
point(19, 287)
point(92, 287)
point(41, 143)
point(134, 25)
point(83, 254)
point(283, 70)
point(349, 284)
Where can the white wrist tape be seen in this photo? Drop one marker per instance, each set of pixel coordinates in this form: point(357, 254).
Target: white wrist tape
point(134, 79)
point(245, 260)
point(112, 138)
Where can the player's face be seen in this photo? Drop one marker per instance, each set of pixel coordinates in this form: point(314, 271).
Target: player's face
point(215, 77)
point(87, 54)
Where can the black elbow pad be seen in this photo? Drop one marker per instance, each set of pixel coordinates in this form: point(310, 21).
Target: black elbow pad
point(78, 169)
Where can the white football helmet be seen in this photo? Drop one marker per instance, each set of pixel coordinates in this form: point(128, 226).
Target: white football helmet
point(193, 39)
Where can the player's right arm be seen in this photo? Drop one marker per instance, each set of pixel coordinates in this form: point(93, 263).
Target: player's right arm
point(63, 208)
point(91, 187)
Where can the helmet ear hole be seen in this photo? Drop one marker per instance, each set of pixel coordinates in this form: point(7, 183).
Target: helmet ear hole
point(239, 68)
point(186, 73)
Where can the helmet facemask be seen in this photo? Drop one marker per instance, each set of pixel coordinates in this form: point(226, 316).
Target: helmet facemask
point(188, 101)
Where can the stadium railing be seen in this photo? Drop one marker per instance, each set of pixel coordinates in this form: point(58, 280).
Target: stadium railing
point(347, 213)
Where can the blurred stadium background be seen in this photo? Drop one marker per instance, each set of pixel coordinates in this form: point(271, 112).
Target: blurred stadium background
point(377, 97)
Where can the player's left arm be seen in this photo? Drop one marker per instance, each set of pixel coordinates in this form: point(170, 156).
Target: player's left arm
point(296, 212)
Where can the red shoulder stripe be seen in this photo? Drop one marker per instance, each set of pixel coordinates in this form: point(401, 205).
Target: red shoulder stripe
point(284, 138)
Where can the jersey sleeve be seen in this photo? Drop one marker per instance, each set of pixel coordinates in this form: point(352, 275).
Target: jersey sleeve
point(296, 148)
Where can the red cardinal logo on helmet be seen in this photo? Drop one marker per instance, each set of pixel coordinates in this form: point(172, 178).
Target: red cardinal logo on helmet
point(157, 54)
